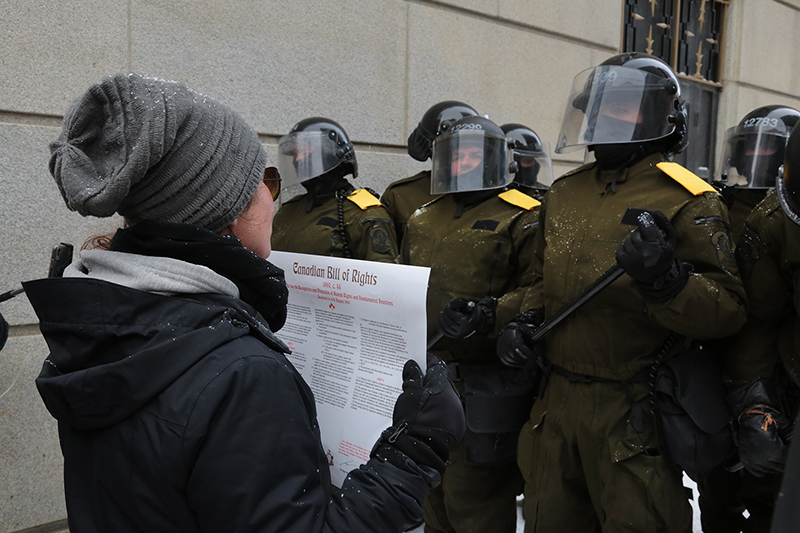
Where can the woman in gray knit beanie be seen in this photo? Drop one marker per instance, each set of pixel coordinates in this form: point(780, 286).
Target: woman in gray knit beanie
point(152, 149)
point(176, 405)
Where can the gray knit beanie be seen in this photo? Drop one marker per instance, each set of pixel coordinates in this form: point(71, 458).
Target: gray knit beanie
point(151, 149)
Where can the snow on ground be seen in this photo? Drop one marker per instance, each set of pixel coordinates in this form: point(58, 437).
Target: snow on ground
point(695, 508)
point(686, 481)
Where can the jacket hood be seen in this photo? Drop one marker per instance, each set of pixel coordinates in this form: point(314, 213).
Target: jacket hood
point(113, 349)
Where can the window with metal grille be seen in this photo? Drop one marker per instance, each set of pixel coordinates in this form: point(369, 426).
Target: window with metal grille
point(688, 35)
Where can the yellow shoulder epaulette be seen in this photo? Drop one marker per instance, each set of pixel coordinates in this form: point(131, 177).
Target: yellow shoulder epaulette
point(688, 179)
point(363, 198)
point(520, 199)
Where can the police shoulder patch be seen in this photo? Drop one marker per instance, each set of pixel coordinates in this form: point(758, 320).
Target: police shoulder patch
point(725, 252)
point(688, 179)
point(379, 237)
point(518, 198)
point(363, 198)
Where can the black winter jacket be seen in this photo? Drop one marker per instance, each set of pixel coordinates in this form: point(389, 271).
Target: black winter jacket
point(181, 413)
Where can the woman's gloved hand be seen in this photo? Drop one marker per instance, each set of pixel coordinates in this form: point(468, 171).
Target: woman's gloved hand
point(428, 419)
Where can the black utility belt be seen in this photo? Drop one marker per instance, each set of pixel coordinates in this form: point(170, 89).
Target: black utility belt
point(642, 376)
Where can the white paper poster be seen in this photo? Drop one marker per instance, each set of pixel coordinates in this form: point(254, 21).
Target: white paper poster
point(351, 327)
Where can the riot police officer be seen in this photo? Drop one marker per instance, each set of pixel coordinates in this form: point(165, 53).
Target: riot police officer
point(404, 196)
point(476, 235)
point(590, 454)
point(752, 152)
point(533, 167)
point(763, 361)
point(332, 217)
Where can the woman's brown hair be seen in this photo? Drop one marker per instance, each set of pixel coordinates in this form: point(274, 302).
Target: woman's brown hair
point(98, 242)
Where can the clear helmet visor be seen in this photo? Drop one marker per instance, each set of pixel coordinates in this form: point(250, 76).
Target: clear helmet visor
point(611, 104)
point(469, 160)
point(304, 155)
point(752, 159)
point(534, 169)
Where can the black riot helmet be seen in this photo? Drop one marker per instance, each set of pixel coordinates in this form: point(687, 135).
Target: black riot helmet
point(754, 149)
point(533, 166)
point(315, 147)
point(473, 154)
point(435, 121)
point(788, 182)
point(631, 102)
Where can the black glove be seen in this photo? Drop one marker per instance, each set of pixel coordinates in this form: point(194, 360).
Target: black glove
point(647, 256)
point(428, 419)
point(762, 450)
point(420, 143)
point(463, 318)
point(762, 430)
point(514, 348)
point(512, 344)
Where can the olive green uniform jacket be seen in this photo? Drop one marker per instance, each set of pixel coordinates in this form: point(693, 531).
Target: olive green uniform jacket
point(768, 253)
point(403, 197)
point(486, 251)
point(369, 232)
point(616, 333)
point(584, 465)
point(744, 201)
